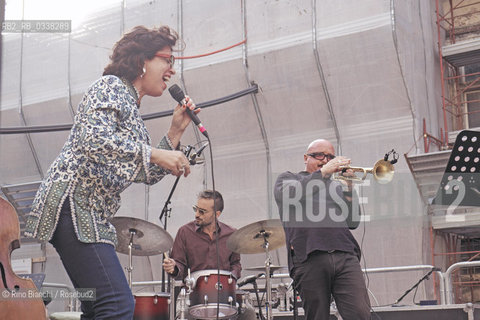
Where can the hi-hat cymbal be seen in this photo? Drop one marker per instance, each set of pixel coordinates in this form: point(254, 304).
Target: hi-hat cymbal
point(148, 238)
point(251, 238)
point(273, 268)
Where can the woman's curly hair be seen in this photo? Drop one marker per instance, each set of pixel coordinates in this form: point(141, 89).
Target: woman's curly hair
point(140, 44)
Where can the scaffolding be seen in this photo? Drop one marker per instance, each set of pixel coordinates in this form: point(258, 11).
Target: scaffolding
point(458, 27)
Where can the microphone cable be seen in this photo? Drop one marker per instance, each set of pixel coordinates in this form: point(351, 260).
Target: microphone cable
point(217, 252)
point(367, 285)
point(177, 94)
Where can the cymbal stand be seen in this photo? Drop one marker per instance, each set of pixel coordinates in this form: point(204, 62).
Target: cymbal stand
point(268, 284)
point(129, 269)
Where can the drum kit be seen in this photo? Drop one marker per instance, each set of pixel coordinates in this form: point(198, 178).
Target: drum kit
point(210, 294)
point(137, 237)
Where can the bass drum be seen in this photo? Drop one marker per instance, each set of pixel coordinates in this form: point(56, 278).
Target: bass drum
point(210, 289)
point(151, 306)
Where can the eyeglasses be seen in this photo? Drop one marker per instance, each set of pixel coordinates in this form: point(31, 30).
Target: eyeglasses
point(169, 58)
point(202, 211)
point(321, 156)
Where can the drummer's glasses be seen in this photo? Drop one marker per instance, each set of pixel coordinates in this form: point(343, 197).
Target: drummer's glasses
point(320, 156)
point(202, 211)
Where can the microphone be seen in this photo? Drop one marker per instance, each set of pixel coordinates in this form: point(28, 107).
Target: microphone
point(195, 155)
point(177, 93)
point(249, 279)
point(394, 156)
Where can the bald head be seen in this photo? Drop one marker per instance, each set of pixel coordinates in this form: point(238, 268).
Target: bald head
point(317, 146)
point(320, 143)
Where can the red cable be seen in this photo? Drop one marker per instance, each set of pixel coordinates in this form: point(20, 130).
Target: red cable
point(210, 53)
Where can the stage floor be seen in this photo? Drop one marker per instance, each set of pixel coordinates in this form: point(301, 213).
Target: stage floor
point(436, 312)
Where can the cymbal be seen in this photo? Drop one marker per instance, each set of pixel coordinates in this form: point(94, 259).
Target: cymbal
point(251, 238)
point(273, 268)
point(148, 238)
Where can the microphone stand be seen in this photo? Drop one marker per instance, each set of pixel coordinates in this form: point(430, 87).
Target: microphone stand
point(166, 213)
point(255, 286)
point(425, 277)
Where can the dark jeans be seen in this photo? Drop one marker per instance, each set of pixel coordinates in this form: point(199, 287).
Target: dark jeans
point(93, 265)
point(324, 274)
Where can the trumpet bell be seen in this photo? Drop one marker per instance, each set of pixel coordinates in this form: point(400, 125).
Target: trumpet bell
point(383, 171)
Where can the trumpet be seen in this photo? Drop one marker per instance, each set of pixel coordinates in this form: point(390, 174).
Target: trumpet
point(382, 172)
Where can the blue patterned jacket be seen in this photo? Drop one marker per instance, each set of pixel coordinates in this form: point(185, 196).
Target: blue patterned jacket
point(108, 148)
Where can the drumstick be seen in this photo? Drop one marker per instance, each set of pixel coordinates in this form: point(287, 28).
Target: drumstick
point(165, 254)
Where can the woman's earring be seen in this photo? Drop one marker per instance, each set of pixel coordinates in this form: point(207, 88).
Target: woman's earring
point(144, 70)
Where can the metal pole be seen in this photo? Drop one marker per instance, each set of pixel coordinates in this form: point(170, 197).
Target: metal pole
point(171, 305)
point(258, 112)
point(130, 258)
point(268, 285)
point(322, 77)
point(444, 107)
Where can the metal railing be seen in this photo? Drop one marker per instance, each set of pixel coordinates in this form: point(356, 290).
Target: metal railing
point(394, 269)
point(413, 268)
point(448, 277)
point(445, 278)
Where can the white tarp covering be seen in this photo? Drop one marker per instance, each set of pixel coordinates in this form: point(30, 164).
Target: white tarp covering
point(379, 62)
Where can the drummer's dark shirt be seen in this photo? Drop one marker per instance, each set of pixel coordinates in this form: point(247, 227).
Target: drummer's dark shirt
point(194, 249)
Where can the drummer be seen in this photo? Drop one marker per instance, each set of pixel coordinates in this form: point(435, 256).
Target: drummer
point(194, 247)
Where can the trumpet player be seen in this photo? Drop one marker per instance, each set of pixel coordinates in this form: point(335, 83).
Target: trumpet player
point(323, 257)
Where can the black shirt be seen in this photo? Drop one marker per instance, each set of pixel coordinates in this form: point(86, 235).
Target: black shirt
point(315, 215)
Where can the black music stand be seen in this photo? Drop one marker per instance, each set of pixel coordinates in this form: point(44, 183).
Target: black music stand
point(460, 185)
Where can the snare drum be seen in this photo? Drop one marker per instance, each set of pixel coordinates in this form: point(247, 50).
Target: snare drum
point(151, 306)
point(208, 286)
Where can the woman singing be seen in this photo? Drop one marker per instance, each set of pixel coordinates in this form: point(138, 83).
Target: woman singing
point(109, 148)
